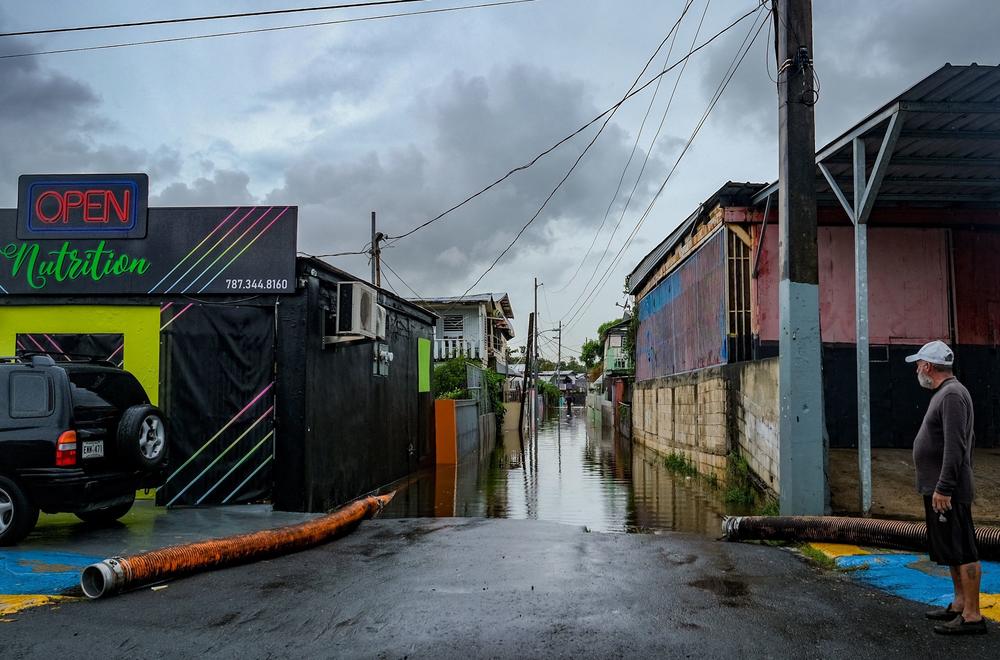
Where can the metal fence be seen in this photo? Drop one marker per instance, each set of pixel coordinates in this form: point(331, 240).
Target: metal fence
point(476, 384)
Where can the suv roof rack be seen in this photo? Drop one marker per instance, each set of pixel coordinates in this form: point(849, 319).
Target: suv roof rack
point(37, 360)
point(70, 357)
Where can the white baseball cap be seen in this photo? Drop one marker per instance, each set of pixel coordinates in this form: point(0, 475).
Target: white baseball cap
point(935, 352)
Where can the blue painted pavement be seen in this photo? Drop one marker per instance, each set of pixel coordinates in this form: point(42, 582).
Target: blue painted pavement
point(39, 572)
point(915, 577)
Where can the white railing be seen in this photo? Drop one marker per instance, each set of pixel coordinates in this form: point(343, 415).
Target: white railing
point(448, 348)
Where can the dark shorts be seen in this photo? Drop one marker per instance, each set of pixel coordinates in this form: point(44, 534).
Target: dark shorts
point(951, 536)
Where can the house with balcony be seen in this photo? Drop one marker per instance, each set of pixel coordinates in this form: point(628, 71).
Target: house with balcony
point(477, 326)
point(617, 359)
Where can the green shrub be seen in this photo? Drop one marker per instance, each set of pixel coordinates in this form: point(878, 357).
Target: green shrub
point(450, 377)
point(680, 464)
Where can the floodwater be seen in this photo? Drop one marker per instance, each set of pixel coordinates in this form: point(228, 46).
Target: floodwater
point(573, 473)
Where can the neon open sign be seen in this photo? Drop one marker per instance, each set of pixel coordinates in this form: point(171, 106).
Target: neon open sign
point(82, 206)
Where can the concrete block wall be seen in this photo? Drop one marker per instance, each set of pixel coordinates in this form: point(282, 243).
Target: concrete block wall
point(707, 414)
point(755, 418)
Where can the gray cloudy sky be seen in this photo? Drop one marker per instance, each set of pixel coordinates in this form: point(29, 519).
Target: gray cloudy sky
point(408, 116)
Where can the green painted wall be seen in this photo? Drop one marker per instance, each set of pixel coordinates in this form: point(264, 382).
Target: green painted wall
point(139, 325)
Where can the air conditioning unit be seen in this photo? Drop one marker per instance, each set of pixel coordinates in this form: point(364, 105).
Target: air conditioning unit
point(357, 309)
point(380, 317)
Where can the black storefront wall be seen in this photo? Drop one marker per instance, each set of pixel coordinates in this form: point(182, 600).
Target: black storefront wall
point(344, 431)
point(217, 389)
point(898, 402)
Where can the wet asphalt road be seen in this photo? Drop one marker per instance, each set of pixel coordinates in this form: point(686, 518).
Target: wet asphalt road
point(460, 588)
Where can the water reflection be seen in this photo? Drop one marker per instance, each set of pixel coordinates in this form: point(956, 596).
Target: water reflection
point(571, 473)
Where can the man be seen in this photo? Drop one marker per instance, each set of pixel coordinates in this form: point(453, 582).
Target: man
point(942, 454)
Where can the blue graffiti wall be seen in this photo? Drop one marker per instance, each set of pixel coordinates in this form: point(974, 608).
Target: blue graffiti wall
point(682, 321)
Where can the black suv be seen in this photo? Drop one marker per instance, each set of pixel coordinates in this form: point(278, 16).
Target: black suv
point(78, 437)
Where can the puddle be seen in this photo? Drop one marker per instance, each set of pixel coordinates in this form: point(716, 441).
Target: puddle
point(571, 473)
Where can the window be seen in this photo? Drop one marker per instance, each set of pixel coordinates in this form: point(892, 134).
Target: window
point(30, 394)
point(454, 324)
point(615, 341)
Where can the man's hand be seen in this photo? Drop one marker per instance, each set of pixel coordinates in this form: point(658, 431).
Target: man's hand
point(940, 503)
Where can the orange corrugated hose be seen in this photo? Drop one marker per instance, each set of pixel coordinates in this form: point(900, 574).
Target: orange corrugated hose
point(118, 574)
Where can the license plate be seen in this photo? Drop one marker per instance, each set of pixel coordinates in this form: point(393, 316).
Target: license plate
point(94, 449)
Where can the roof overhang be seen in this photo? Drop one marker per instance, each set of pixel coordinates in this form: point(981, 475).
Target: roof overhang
point(935, 145)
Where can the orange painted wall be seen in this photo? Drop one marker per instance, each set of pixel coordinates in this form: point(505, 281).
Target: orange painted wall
point(445, 432)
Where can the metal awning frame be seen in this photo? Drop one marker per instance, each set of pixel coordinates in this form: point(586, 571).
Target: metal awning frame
point(865, 193)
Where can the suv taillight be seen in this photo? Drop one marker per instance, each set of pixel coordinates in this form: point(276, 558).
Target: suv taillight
point(66, 449)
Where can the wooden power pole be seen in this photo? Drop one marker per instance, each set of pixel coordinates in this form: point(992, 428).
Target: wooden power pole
point(802, 463)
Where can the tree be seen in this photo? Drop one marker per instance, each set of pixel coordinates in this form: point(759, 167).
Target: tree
point(591, 353)
point(604, 328)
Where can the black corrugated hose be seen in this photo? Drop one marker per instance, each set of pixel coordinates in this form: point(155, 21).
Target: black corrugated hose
point(874, 532)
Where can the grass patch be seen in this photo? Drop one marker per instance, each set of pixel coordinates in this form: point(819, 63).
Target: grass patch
point(740, 489)
point(818, 558)
point(769, 507)
point(680, 464)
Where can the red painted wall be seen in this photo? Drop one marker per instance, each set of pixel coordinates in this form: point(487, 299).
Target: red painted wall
point(908, 285)
point(977, 287)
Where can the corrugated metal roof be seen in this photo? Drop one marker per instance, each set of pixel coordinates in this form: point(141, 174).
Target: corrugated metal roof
point(500, 299)
point(948, 150)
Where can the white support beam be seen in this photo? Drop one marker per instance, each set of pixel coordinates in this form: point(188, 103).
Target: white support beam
point(863, 208)
point(848, 208)
point(861, 129)
point(861, 331)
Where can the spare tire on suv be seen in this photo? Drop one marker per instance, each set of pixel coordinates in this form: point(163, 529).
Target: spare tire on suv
point(142, 437)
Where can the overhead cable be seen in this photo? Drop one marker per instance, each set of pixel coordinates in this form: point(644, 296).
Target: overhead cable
point(635, 146)
point(734, 66)
point(194, 19)
point(234, 33)
point(576, 132)
point(642, 170)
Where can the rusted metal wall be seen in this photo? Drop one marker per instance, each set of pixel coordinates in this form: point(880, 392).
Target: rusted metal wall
point(908, 286)
point(682, 320)
point(977, 287)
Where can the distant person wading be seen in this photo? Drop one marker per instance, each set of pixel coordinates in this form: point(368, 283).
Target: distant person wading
point(942, 454)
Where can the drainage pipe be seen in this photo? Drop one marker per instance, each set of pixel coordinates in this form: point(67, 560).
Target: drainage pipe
point(874, 532)
point(118, 574)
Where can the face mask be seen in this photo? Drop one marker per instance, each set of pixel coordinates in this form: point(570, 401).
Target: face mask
point(925, 381)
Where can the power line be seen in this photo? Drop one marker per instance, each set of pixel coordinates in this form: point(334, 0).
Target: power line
point(737, 60)
point(522, 230)
point(572, 135)
point(412, 290)
point(234, 33)
point(335, 254)
point(193, 19)
point(642, 170)
point(635, 146)
point(733, 67)
point(730, 72)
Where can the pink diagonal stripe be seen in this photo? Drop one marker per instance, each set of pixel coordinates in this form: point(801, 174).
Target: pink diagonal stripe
point(54, 344)
point(166, 307)
point(176, 316)
point(120, 347)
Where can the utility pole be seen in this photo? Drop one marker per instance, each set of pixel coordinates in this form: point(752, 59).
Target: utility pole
point(559, 357)
point(376, 253)
point(524, 382)
point(802, 464)
point(534, 343)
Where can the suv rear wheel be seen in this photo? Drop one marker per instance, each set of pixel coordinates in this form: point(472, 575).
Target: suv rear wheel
point(17, 515)
point(142, 436)
point(107, 515)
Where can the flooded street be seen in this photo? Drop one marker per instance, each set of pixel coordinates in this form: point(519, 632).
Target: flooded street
point(572, 473)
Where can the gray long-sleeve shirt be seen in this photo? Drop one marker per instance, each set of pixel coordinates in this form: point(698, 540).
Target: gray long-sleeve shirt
point(942, 450)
